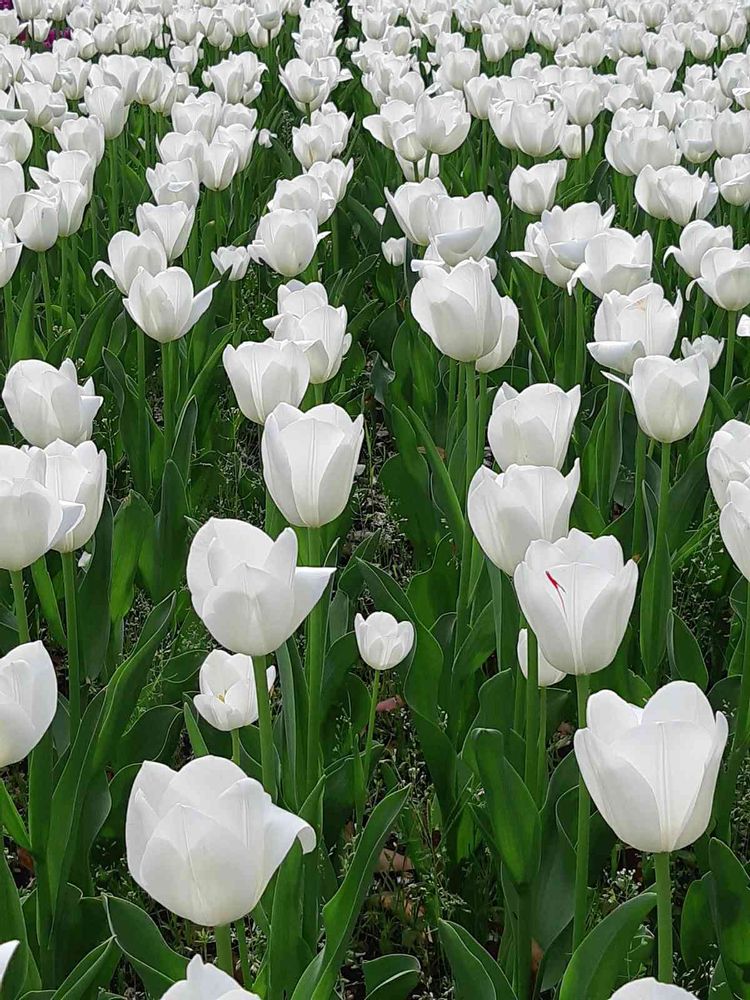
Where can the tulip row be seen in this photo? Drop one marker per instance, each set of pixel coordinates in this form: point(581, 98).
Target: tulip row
point(461, 250)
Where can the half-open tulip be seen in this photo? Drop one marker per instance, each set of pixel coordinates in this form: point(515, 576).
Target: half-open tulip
point(46, 403)
point(228, 698)
point(266, 374)
point(532, 427)
point(28, 701)
point(382, 640)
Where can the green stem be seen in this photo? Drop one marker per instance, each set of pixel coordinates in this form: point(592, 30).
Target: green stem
point(168, 401)
point(19, 604)
point(143, 408)
point(729, 353)
point(462, 609)
point(314, 655)
point(224, 958)
point(523, 945)
point(265, 725)
point(641, 444)
point(374, 696)
point(236, 747)
point(9, 324)
point(531, 763)
point(240, 931)
point(664, 916)
point(728, 784)
point(580, 355)
point(71, 631)
point(584, 816)
point(47, 297)
point(661, 520)
point(542, 745)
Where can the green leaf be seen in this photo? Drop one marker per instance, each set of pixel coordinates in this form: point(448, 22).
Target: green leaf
point(391, 977)
point(24, 341)
point(45, 591)
point(11, 821)
point(600, 959)
point(139, 939)
point(132, 524)
point(12, 928)
point(685, 657)
point(94, 970)
point(656, 604)
point(476, 975)
point(93, 598)
point(512, 813)
point(731, 910)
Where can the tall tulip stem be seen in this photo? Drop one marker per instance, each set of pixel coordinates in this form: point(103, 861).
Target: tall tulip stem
point(168, 404)
point(241, 932)
point(224, 958)
point(314, 655)
point(268, 763)
point(19, 605)
point(661, 521)
point(374, 697)
point(664, 916)
point(236, 747)
point(729, 353)
point(523, 944)
point(531, 763)
point(47, 296)
point(9, 321)
point(584, 816)
point(641, 443)
point(71, 631)
point(462, 611)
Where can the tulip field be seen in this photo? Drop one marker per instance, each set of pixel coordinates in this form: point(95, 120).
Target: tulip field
point(375, 499)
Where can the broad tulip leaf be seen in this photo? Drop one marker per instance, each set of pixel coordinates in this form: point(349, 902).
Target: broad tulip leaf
point(94, 970)
point(132, 522)
point(93, 599)
point(599, 960)
point(141, 943)
point(731, 908)
point(685, 656)
point(391, 977)
point(12, 928)
point(45, 591)
point(656, 605)
point(476, 974)
point(24, 340)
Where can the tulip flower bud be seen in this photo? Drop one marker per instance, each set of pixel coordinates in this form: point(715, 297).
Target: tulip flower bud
point(189, 844)
point(286, 240)
point(652, 771)
point(228, 699)
point(709, 347)
point(577, 594)
point(668, 395)
point(650, 989)
point(627, 327)
point(164, 306)
point(28, 702)
point(309, 461)
point(463, 228)
point(247, 589)
point(532, 427)
point(33, 519)
point(46, 403)
point(725, 277)
point(236, 260)
point(77, 474)
point(206, 982)
point(459, 309)
point(410, 204)
point(35, 216)
point(394, 250)
point(383, 642)
point(534, 190)
point(615, 261)
point(266, 374)
point(728, 458)
point(510, 510)
point(733, 178)
point(548, 675)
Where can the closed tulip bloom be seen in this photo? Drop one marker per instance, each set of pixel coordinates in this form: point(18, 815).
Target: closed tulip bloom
point(442, 122)
point(309, 461)
point(733, 179)
point(459, 309)
point(28, 702)
point(506, 344)
point(730, 131)
point(627, 327)
point(303, 193)
point(77, 474)
point(577, 594)
point(394, 250)
point(532, 427)
point(333, 177)
point(35, 216)
point(410, 204)
point(548, 675)
point(734, 524)
point(383, 642)
point(652, 771)
point(536, 129)
point(510, 510)
point(228, 698)
point(615, 261)
point(634, 147)
point(235, 260)
point(668, 395)
point(725, 277)
point(675, 193)
point(164, 305)
point(86, 134)
point(171, 223)
point(178, 180)
point(206, 982)
point(296, 299)
point(32, 517)
point(321, 335)
point(108, 105)
point(313, 144)
point(533, 190)
point(696, 239)
point(205, 841)
point(12, 184)
point(728, 458)
point(265, 374)
point(709, 347)
point(247, 589)
point(10, 251)
point(128, 253)
point(286, 240)
point(46, 403)
point(462, 228)
point(650, 989)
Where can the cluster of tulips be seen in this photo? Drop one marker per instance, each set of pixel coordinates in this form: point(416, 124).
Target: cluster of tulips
point(481, 267)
